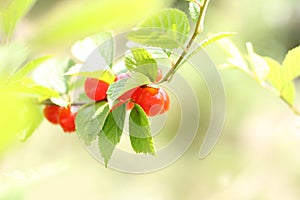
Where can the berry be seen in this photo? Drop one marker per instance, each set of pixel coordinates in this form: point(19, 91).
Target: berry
point(152, 100)
point(51, 113)
point(96, 89)
point(66, 119)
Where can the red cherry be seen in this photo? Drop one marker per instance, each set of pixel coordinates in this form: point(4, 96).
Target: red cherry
point(51, 113)
point(67, 119)
point(96, 89)
point(159, 75)
point(150, 99)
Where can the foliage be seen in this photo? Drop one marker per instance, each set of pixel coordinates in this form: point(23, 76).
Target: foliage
point(50, 80)
point(276, 77)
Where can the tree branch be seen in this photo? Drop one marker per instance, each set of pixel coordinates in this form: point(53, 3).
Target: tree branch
point(198, 29)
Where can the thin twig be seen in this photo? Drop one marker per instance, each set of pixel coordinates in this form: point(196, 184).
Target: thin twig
point(198, 29)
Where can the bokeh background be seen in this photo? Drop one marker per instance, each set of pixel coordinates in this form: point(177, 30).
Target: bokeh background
point(256, 157)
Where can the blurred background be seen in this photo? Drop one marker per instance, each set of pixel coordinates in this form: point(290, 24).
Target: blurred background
point(256, 157)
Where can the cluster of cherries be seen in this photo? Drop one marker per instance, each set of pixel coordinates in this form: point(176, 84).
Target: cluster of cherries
point(64, 116)
point(153, 100)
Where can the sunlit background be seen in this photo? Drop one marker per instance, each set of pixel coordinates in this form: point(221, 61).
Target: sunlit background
point(256, 157)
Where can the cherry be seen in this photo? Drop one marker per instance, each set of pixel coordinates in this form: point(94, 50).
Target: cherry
point(96, 89)
point(66, 119)
point(51, 113)
point(152, 100)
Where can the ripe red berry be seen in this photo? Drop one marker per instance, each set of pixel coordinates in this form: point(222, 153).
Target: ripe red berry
point(66, 119)
point(96, 89)
point(152, 100)
point(51, 113)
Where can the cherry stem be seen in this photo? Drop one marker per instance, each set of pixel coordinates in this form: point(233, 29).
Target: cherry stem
point(48, 102)
point(274, 91)
point(292, 107)
point(198, 29)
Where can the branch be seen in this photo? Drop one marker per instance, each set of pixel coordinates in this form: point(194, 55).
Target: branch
point(48, 102)
point(198, 29)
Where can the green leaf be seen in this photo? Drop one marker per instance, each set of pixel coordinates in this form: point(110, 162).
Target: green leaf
point(11, 15)
point(142, 61)
point(12, 57)
point(275, 75)
point(90, 120)
point(215, 37)
point(208, 41)
point(291, 64)
point(27, 86)
point(26, 69)
point(111, 133)
point(103, 43)
point(34, 113)
point(194, 9)
point(51, 74)
point(139, 131)
point(69, 20)
point(22, 116)
point(234, 56)
point(167, 29)
point(259, 66)
point(118, 88)
point(60, 101)
point(82, 70)
point(288, 93)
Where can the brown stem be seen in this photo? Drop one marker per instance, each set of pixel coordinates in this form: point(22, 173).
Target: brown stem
point(292, 107)
point(198, 29)
point(48, 102)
